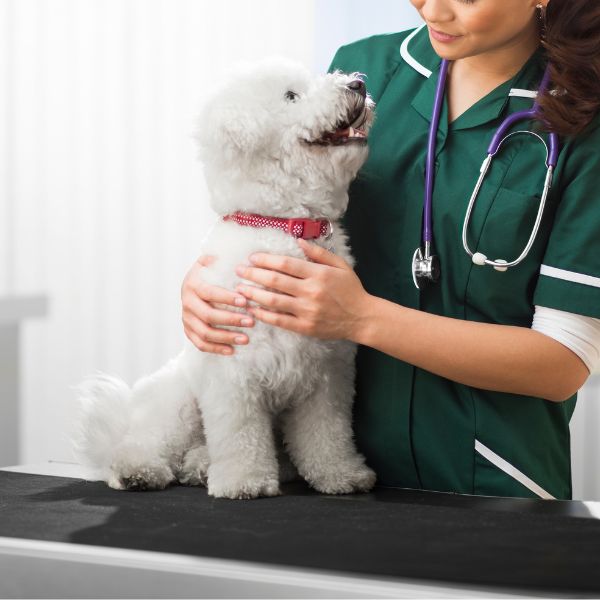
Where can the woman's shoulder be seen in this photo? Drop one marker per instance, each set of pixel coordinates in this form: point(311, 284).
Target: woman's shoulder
point(583, 152)
point(375, 48)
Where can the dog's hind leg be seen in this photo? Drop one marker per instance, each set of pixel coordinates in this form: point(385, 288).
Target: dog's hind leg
point(165, 424)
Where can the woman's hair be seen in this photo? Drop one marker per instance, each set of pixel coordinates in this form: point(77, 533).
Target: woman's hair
point(570, 36)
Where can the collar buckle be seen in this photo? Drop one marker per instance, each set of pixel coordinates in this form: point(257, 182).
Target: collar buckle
point(304, 228)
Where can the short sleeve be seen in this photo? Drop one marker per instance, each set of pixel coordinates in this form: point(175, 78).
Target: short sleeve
point(569, 278)
point(352, 57)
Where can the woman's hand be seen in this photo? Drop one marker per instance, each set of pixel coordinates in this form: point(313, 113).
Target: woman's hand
point(322, 299)
point(201, 319)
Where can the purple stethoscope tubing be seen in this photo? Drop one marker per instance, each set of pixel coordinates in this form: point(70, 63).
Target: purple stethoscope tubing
point(532, 113)
point(427, 266)
point(431, 146)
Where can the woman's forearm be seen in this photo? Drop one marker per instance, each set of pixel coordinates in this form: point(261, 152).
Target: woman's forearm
point(494, 357)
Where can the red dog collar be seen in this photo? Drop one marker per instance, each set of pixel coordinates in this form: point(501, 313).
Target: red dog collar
point(308, 229)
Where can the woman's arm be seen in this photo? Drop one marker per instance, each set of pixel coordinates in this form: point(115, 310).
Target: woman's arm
point(492, 357)
point(325, 299)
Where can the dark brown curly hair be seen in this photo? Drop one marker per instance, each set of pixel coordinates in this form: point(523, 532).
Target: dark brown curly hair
point(570, 35)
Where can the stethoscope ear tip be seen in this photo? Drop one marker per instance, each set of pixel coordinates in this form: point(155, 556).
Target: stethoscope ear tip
point(479, 259)
point(501, 269)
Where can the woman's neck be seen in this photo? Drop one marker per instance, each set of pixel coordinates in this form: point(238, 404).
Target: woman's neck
point(501, 64)
point(473, 77)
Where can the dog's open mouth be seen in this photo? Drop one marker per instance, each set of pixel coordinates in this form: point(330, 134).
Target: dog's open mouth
point(347, 132)
point(343, 136)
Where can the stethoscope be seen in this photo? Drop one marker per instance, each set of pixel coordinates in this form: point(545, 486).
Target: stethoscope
point(424, 264)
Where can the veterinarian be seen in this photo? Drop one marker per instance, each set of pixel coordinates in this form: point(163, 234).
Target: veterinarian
point(467, 384)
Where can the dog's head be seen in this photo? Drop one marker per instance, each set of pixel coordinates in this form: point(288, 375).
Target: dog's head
point(277, 140)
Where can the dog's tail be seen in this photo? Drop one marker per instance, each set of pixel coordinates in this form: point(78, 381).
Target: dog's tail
point(102, 422)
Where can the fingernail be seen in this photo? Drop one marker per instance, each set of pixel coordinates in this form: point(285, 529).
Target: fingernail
point(240, 301)
point(240, 340)
point(253, 257)
point(247, 322)
point(227, 351)
point(240, 270)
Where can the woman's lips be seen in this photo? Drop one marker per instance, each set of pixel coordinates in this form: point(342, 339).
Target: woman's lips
point(443, 37)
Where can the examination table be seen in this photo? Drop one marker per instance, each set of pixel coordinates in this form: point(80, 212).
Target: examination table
point(63, 536)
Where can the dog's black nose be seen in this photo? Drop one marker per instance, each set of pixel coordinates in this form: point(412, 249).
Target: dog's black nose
point(358, 86)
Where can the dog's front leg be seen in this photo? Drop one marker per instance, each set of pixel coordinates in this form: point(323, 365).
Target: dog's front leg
point(318, 431)
point(239, 435)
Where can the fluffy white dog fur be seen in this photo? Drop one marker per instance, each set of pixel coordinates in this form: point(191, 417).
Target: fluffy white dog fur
point(266, 144)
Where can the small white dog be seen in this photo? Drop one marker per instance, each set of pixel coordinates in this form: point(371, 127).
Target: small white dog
point(276, 142)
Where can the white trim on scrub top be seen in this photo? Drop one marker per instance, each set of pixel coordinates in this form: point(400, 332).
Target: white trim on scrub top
point(405, 54)
point(570, 276)
point(423, 70)
point(512, 471)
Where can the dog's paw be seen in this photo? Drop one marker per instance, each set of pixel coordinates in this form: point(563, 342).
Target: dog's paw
point(115, 482)
point(143, 478)
point(194, 470)
point(345, 479)
point(244, 489)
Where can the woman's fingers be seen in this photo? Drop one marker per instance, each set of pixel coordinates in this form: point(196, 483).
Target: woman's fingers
point(205, 346)
point(218, 295)
point(204, 311)
point(273, 280)
point(210, 339)
point(295, 267)
point(279, 302)
point(196, 310)
point(205, 260)
point(201, 320)
point(193, 282)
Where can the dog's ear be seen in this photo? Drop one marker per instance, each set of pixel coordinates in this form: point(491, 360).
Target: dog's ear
point(227, 129)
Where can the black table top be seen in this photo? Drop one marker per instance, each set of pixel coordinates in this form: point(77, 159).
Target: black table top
point(506, 543)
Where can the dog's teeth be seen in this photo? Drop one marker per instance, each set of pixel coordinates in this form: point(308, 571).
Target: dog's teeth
point(351, 132)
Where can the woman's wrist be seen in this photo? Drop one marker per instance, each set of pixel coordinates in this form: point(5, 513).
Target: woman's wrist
point(369, 323)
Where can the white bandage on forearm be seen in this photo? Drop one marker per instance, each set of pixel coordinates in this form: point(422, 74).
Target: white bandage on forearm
point(579, 334)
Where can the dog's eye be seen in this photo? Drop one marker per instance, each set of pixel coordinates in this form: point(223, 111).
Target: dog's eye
point(291, 96)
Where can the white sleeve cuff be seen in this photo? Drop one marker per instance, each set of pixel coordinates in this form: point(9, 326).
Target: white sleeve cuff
point(578, 333)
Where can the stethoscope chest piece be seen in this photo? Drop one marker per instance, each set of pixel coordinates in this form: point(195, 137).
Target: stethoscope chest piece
point(425, 267)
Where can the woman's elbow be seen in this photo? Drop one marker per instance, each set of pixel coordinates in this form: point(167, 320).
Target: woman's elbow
point(567, 385)
point(561, 374)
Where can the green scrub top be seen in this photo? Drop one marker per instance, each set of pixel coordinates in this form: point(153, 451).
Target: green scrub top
point(417, 429)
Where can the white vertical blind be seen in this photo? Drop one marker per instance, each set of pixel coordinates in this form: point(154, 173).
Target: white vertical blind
point(102, 202)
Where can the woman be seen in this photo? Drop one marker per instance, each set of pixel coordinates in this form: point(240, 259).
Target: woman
point(468, 384)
